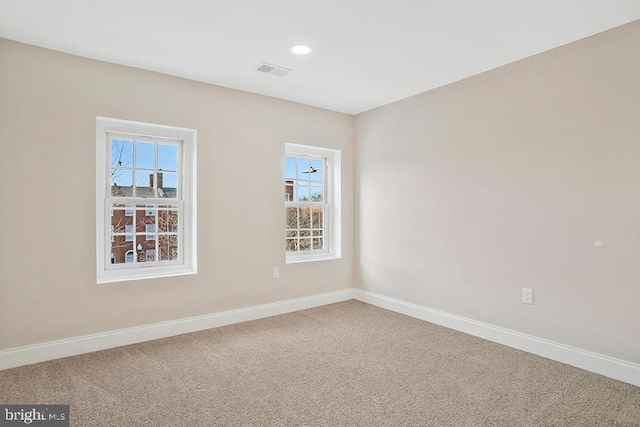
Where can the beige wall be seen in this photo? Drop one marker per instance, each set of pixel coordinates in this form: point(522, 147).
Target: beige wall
point(505, 180)
point(48, 107)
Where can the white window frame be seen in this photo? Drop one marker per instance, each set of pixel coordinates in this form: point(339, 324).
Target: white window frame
point(187, 252)
point(332, 197)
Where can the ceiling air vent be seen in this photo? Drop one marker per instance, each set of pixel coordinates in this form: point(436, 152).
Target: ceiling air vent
point(274, 70)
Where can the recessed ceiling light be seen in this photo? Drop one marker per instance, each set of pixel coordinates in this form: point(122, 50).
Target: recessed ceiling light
point(300, 49)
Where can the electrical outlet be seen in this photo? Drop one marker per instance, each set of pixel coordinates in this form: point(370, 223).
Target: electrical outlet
point(527, 296)
point(276, 272)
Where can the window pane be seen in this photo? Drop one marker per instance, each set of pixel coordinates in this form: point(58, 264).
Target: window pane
point(121, 182)
point(119, 250)
point(129, 230)
point(151, 231)
point(305, 233)
point(305, 217)
point(144, 188)
point(167, 157)
point(121, 153)
point(292, 217)
point(142, 220)
point(290, 168)
point(119, 219)
point(303, 194)
point(145, 155)
point(288, 191)
point(291, 245)
point(316, 194)
point(303, 169)
point(142, 246)
point(292, 233)
point(305, 244)
point(168, 245)
point(150, 255)
point(168, 220)
point(317, 243)
point(318, 218)
point(167, 184)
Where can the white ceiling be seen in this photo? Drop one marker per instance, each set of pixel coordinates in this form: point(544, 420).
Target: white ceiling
point(366, 53)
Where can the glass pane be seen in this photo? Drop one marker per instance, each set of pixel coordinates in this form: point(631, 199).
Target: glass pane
point(290, 168)
point(144, 186)
point(303, 169)
point(142, 220)
point(145, 155)
point(168, 220)
point(316, 170)
point(292, 217)
point(121, 182)
point(167, 157)
point(288, 191)
point(303, 194)
point(142, 246)
point(318, 233)
point(129, 230)
point(168, 245)
point(150, 210)
point(317, 243)
point(292, 234)
point(119, 251)
point(317, 177)
point(167, 184)
point(150, 255)
point(305, 244)
point(291, 245)
point(317, 219)
point(305, 218)
point(316, 194)
point(121, 153)
point(119, 220)
point(305, 233)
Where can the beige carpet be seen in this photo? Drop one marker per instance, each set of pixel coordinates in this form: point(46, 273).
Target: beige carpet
point(347, 364)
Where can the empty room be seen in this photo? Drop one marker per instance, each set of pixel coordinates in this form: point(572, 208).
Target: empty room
point(336, 213)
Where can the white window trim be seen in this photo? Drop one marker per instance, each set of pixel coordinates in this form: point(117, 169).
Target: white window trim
point(189, 186)
point(333, 195)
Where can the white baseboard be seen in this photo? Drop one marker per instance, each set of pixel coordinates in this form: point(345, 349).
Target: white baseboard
point(608, 366)
point(598, 363)
point(85, 344)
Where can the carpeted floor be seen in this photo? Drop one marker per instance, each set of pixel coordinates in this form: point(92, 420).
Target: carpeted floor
point(346, 364)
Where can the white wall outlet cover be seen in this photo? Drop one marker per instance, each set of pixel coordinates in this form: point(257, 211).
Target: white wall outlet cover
point(276, 272)
point(527, 296)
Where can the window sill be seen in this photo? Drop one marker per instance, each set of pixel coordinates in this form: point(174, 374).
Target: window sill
point(114, 276)
point(296, 259)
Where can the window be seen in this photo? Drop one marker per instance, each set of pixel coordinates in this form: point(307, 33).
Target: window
point(312, 203)
point(146, 225)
